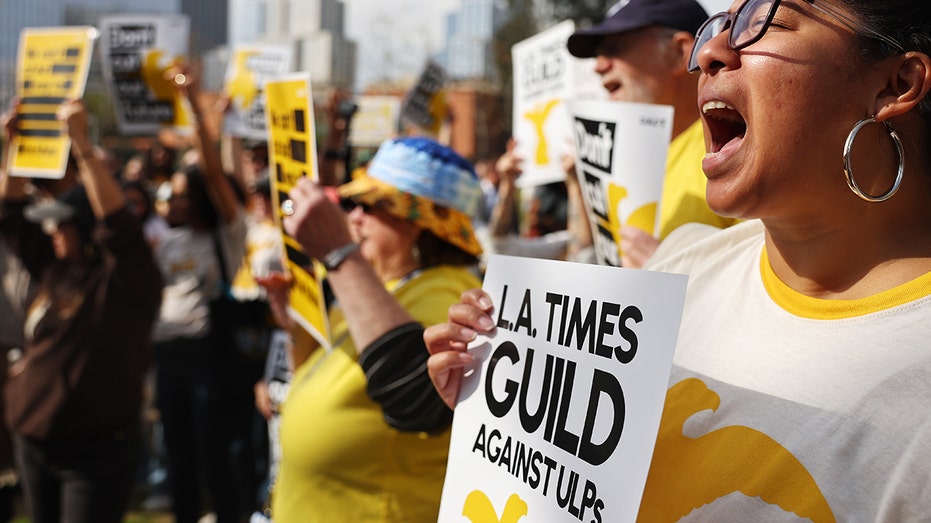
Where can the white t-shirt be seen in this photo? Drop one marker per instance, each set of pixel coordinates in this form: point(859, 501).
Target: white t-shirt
point(188, 261)
point(784, 407)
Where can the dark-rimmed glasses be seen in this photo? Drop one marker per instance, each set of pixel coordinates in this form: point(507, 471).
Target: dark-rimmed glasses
point(751, 20)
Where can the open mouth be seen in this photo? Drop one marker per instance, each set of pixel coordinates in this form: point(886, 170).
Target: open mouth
point(725, 124)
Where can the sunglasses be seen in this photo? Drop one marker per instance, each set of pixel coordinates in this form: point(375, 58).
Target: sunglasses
point(348, 205)
point(751, 20)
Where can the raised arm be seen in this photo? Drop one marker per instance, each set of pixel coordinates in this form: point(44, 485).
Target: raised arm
point(11, 187)
point(218, 186)
point(103, 192)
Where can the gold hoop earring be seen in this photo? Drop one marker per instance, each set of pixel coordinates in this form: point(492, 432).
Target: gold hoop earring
point(848, 168)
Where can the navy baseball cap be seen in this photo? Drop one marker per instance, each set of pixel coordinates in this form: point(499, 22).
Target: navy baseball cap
point(627, 15)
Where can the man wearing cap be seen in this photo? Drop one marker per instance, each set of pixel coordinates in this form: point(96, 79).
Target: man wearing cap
point(641, 51)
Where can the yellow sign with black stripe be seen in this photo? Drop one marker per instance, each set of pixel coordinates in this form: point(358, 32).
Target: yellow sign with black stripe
point(52, 67)
point(289, 116)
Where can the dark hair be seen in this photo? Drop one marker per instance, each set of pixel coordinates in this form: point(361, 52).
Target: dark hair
point(435, 251)
point(202, 209)
point(907, 22)
point(140, 188)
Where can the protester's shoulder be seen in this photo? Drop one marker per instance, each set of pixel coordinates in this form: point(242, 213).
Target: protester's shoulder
point(455, 278)
point(696, 243)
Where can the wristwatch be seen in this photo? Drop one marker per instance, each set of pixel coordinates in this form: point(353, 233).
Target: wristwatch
point(337, 256)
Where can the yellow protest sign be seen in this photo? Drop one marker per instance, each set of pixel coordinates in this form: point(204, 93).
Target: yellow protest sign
point(289, 117)
point(52, 67)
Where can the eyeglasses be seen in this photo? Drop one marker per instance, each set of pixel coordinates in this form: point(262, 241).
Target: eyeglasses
point(751, 20)
point(348, 205)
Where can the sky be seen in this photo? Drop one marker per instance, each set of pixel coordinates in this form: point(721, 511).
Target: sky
point(395, 38)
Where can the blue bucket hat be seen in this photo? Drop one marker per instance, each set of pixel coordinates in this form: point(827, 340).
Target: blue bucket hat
point(429, 184)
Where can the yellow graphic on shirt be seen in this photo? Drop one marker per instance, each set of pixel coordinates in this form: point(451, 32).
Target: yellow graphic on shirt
point(242, 87)
point(643, 217)
point(537, 116)
point(756, 465)
point(478, 509)
point(438, 108)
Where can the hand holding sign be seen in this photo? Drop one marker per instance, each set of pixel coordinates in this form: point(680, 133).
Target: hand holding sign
point(447, 342)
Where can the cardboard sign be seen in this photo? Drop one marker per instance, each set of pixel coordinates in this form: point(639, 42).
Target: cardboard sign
point(558, 413)
point(375, 121)
point(546, 78)
point(250, 66)
point(425, 105)
point(139, 51)
point(292, 154)
point(621, 153)
point(51, 67)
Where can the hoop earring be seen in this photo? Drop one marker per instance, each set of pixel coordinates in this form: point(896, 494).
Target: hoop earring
point(848, 168)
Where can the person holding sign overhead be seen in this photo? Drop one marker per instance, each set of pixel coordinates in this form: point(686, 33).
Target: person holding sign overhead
point(641, 50)
point(73, 400)
point(197, 257)
point(802, 374)
point(364, 436)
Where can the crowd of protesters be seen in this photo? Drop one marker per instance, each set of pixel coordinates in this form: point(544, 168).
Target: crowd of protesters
point(148, 333)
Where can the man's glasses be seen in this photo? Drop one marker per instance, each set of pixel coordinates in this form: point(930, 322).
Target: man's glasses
point(751, 20)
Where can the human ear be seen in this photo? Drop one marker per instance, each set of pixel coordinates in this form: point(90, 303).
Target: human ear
point(680, 50)
point(907, 85)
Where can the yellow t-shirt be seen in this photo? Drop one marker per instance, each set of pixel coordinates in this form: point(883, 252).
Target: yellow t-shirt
point(340, 460)
point(683, 199)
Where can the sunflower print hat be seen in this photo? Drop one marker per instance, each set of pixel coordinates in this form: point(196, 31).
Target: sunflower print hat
point(419, 180)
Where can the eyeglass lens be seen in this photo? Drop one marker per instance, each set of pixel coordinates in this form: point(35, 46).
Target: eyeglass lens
point(747, 25)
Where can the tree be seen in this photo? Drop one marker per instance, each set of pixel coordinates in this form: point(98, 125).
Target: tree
point(524, 19)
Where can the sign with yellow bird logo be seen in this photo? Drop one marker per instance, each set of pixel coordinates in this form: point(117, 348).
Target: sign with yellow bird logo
point(621, 150)
point(52, 67)
point(292, 154)
point(546, 79)
point(250, 66)
point(559, 411)
point(139, 52)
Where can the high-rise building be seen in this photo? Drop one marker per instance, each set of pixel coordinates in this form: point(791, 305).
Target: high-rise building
point(469, 33)
point(315, 29)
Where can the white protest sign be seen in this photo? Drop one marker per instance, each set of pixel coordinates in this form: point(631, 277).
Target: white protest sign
point(375, 121)
point(621, 150)
point(558, 414)
point(138, 53)
point(249, 68)
point(546, 78)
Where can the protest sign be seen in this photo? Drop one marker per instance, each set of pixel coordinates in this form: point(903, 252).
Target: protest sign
point(292, 154)
point(375, 121)
point(52, 67)
point(546, 78)
point(425, 105)
point(559, 411)
point(249, 67)
point(621, 150)
point(139, 52)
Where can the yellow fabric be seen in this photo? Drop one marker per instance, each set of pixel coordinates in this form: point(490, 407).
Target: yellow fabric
point(340, 461)
point(683, 199)
point(449, 224)
point(825, 309)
